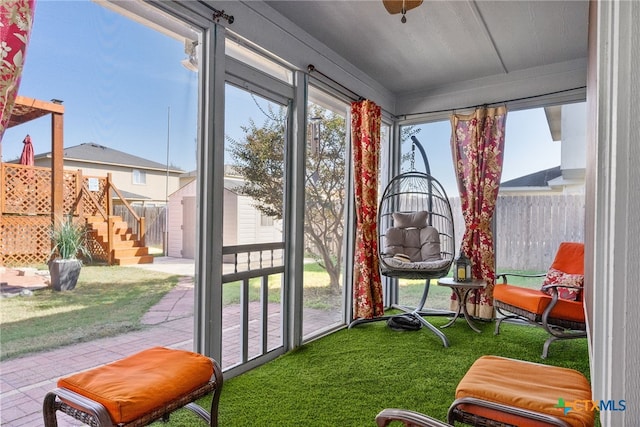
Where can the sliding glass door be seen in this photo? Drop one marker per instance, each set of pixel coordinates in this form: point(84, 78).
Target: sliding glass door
point(253, 245)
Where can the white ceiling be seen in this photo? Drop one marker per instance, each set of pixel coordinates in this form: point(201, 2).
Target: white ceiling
point(444, 41)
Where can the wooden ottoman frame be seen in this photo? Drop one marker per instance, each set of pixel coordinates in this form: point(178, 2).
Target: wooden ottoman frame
point(94, 413)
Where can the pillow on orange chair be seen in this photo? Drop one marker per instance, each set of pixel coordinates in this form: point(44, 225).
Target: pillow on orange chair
point(557, 277)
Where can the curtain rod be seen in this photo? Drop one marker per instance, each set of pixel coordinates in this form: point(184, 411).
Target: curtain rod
point(524, 98)
point(312, 69)
point(217, 14)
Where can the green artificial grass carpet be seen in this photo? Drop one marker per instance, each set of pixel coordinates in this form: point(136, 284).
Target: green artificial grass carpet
point(346, 378)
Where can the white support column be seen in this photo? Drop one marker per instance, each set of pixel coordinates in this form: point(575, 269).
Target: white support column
point(210, 190)
point(613, 206)
point(295, 211)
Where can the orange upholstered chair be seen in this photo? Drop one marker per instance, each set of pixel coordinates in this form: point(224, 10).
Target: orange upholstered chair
point(557, 306)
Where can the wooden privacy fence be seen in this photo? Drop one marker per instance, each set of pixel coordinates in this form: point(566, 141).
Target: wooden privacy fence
point(529, 229)
point(155, 222)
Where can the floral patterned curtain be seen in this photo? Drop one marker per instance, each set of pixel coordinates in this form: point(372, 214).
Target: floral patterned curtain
point(365, 135)
point(16, 20)
point(477, 143)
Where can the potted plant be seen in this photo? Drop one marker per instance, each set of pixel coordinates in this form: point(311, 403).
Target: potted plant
point(69, 241)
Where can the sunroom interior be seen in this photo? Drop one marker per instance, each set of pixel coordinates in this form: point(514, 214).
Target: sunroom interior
point(447, 57)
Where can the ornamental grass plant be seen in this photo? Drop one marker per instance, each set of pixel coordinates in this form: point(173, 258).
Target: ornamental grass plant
point(69, 239)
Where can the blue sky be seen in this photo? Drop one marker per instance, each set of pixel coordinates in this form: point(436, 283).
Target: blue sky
point(118, 80)
point(528, 147)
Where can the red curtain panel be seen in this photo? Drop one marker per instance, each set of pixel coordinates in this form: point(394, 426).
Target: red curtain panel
point(16, 20)
point(477, 143)
point(365, 128)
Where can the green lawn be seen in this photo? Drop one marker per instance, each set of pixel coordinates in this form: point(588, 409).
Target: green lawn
point(112, 300)
point(106, 301)
point(344, 379)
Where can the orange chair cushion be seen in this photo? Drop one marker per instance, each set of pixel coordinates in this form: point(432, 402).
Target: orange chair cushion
point(535, 301)
point(570, 258)
point(526, 385)
point(131, 387)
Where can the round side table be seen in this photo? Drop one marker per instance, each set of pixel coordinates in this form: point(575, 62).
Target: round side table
point(462, 290)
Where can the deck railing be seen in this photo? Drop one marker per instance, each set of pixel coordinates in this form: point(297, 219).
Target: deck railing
point(258, 341)
point(26, 212)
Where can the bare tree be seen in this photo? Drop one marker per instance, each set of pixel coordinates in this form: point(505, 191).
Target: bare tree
point(259, 158)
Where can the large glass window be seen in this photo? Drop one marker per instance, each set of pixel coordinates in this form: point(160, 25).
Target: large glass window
point(541, 198)
point(324, 212)
point(116, 76)
point(426, 147)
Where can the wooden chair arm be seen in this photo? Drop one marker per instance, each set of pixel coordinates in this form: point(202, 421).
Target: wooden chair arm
point(553, 287)
point(408, 418)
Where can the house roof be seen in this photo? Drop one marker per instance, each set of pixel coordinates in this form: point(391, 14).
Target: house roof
point(536, 179)
point(95, 153)
point(233, 184)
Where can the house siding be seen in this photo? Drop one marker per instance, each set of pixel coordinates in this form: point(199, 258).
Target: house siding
point(250, 228)
point(155, 188)
point(176, 220)
point(241, 222)
point(230, 220)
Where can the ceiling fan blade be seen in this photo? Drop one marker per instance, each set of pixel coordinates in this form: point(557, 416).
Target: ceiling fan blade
point(395, 6)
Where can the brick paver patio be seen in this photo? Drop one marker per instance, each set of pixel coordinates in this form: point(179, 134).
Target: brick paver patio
point(25, 381)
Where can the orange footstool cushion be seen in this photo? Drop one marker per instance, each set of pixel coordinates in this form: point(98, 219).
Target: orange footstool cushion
point(527, 385)
point(131, 387)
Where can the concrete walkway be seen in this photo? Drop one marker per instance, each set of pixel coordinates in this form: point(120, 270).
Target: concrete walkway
point(25, 381)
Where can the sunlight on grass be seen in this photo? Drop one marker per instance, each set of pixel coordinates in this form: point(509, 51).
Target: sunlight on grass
point(107, 301)
point(111, 300)
point(316, 288)
point(347, 377)
point(41, 311)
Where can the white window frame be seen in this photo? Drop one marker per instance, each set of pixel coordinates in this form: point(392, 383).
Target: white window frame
point(139, 177)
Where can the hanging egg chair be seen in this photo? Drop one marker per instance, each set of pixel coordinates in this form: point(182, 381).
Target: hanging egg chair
point(415, 237)
point(415, 228)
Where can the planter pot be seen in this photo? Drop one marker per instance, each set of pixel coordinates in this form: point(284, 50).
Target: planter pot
point(64, 273)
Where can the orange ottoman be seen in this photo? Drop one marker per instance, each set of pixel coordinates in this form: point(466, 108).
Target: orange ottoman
point(138, 389)
point(500, 391)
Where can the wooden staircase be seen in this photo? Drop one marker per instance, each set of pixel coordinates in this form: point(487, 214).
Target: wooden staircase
point(126, 248)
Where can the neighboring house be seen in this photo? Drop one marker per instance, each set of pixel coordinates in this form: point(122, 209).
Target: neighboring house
point(242, 222)
point(142, 182)
point(568, 126)
point(537, 183)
